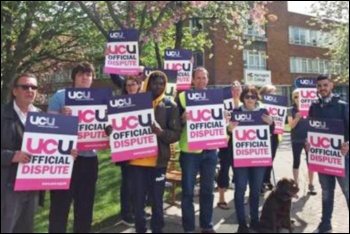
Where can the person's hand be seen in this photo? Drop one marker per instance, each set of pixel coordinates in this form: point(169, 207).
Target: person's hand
point(307, 146)
point(66, 111)
point(185, 116)
point(21, 157)
point(345, 148)
point(232, 125)
point(267, 119)
point(227, 116)
point(298, 116)
point(156, 129)
point(74, 153)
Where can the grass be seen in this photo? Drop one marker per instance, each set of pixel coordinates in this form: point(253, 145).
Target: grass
point(106, 205)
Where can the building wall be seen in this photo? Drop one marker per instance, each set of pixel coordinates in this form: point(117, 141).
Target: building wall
point(278, 50)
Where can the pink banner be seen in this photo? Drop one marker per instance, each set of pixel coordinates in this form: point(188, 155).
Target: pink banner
point(214, 144)
point(42, 184)
point(134, 154)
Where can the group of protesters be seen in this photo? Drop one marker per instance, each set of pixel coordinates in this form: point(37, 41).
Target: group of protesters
point(144, 179)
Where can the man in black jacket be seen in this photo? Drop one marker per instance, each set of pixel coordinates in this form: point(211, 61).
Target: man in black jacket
point(17, 208)
point(329, 106)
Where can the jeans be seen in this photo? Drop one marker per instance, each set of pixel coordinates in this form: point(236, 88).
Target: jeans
point(191, 164)
point(255, 176)
point(226, 162)
point(328, 186)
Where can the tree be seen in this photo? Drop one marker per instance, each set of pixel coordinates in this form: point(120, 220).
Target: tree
point(40, 36)
point(334, 18)
point(162, 23)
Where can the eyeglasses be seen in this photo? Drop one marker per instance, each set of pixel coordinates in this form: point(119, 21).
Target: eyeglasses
point(296, 97)
point(27, 87)
point(250, 97)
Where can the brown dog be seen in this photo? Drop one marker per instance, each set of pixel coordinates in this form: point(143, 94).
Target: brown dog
point(276, 211)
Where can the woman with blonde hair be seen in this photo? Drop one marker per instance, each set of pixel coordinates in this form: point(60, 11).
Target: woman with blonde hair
point(299, 127)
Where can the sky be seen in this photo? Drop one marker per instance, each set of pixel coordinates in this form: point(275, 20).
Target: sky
point(303, 7)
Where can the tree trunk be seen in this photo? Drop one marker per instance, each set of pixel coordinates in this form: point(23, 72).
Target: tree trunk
point(6, 79)
point(178, 34)
point(158, 56)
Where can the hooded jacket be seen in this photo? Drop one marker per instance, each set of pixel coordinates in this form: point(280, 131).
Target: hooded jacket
point(167, 116)
point(332, 108)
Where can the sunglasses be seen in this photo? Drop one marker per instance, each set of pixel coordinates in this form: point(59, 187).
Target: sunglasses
point(27, 87)
point(250, 97)
point(296, 97)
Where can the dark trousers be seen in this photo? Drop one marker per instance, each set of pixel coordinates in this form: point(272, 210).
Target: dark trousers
point(82, 191)
point(126, 205)
point(151, 181)
point(297, 148)
point(274, 146)
point(17, 211)
point(226, 162)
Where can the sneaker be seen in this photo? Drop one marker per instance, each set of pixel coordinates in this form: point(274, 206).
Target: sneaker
point(255, 227)
point(208, 231)
point(269, 186)
point(128, 222)
point(312, 190)
point(148, 216)
point(243, 229)
point(323, 229)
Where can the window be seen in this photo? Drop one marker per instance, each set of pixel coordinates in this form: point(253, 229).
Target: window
point(306, 37)
point(198, 59)
point(255, 60)
point(307, 65)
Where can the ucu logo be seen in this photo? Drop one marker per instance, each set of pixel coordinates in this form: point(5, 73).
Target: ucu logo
point(121, 102)
point(252, 135)
point(90, 116)
point(173, 53)
point(243, 117)
point(205, 115)
point(277, 111)
point(197, 96)
point(116, 35)
point(178, 66)
point(270, 98)
point(79, 95)
point(318, 124)
point(308, 94)
point(132, 122)
point(122, 49)
point(49, 146)
point(307, 82)
point(42, 121)
point(325, 143)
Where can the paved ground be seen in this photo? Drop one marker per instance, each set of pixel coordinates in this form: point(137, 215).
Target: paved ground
point(306, 210)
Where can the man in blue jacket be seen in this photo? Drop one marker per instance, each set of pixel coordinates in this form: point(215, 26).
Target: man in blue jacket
point(329, 106)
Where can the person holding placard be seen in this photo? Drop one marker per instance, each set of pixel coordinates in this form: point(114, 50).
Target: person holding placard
point(148, 174)
point(85, 171)
point(252, 175)
point(299, 126)
point(17, 208)
point(329, 106)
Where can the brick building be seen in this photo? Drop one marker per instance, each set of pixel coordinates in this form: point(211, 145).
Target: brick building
point(289, 48)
